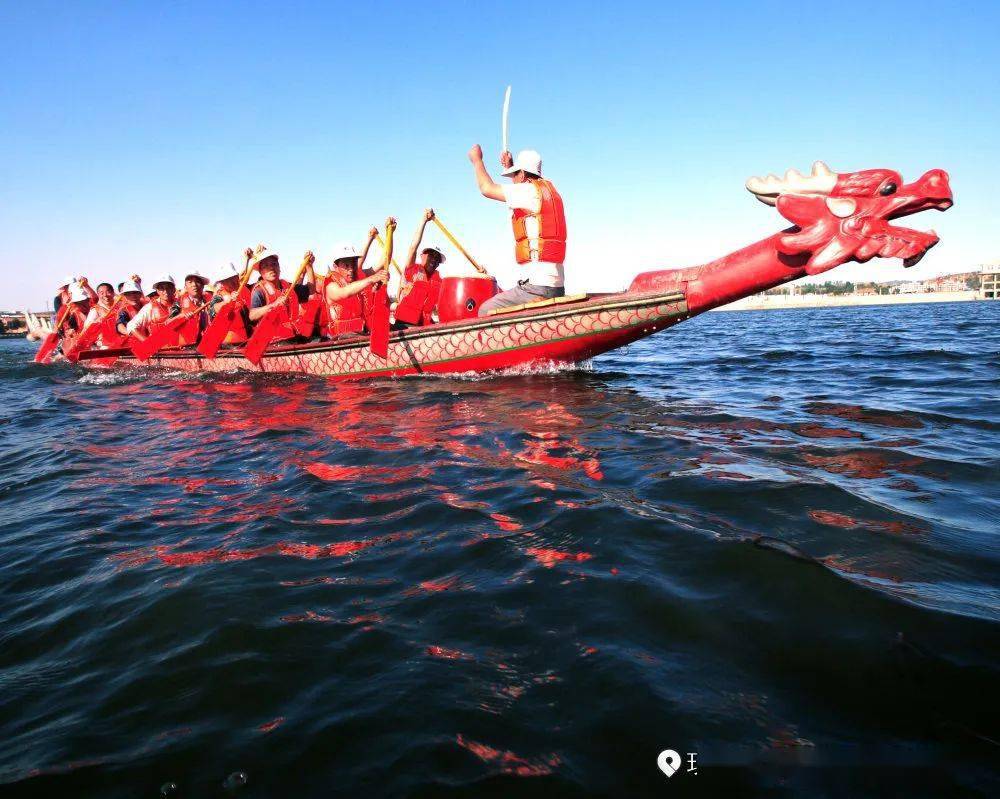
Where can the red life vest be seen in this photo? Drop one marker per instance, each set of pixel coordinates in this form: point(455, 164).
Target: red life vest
point(551, 242)
point(415, 307)
point(346, 315)
point(72, 325)
point(285, 315)
point(188, 334)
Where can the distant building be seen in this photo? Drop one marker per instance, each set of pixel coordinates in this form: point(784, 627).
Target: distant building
point(990, 281)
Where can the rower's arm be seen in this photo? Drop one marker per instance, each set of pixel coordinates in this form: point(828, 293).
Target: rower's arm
point(411, 256)
point(372, 235)
point(335, 293)
point(486, 185)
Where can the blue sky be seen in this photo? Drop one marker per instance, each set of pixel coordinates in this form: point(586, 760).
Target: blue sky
point(149, 137)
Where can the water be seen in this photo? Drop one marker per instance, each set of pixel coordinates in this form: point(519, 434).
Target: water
point(767, 538)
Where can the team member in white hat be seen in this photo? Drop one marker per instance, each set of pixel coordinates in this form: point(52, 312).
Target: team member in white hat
point(157, 310)
point(190, 301)
point(65, 288)
point(419, 313)
point(76, 316)
point(227, 281)
point(344, 285)
point(132, 303)
point(539, 223)
point(269, 293)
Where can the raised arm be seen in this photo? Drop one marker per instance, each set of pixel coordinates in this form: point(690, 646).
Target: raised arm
point(372, 235)
point(334, 293)
point(486, 185)
point(411, 256)
point(82, 283)
point(308, 275)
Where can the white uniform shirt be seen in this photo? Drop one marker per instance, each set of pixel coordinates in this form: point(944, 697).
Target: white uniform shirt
point(524, 196)
point(142, 319)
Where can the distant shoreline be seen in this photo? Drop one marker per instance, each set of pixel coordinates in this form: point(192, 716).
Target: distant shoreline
point(775, 302)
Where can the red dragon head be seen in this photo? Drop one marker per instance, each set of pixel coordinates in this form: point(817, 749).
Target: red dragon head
point(845, 217)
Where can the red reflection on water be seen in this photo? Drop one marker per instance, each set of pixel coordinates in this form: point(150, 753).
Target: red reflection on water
point(550, 557)
point(273, 724)
point(505, 522)
point(858, 413)
point(508, 762)
point(867, 465)
point(309, 615)
point(819, 431)
point(838, 563)
point(448, 654)
point(850, 523)
point(222, 555)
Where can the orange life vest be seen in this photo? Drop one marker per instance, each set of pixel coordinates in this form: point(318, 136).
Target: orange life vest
point(551, 242)
point(346, 315)
point(107, 317)
point(285, 315)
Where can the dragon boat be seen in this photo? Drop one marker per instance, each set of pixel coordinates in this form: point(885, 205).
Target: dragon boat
point(836, 218)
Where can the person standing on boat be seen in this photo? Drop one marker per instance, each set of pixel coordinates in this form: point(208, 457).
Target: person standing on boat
point(269, 293)
point(539, 223)
point(416, 308)
point(133, 300)
point(345, 284)
point(157, 310)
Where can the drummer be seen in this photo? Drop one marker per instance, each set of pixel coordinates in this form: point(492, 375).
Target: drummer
point(539, 224)
point(344, 286)
point(157, 310)
point(419, 309)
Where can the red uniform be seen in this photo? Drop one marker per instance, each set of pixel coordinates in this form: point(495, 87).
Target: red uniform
point(238, 332)
point(286, 315)
point(189, 332)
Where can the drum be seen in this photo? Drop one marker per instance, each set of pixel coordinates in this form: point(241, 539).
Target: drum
point(461, 297)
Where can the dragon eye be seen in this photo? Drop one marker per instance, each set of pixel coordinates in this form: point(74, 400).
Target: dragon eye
point(887, 189)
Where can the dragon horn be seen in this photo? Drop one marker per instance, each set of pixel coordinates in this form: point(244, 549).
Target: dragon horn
point(821, 181)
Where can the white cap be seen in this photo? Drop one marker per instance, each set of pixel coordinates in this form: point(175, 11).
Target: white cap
point(77, 294)
point(436, 249)
point(342, 251)
point(129, 285)
point(262, 255)
point(527, 161)
point(228, 271)
point(196, 274)
point(67, 281)
point(164, 279)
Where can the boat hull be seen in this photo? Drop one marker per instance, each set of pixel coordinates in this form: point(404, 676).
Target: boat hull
point(555, 334)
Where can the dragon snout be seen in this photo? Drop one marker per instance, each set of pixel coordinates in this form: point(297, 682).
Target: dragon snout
point(936, 189)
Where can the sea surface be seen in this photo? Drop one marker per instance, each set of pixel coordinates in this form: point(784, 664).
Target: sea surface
point(770, 539)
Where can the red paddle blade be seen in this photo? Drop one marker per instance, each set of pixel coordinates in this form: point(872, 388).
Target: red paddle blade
point(379, 342)
point(163, 336)
point(83, 342)
point(217, 331)
point(49, 344)
point(305, 326)
point(267, 329)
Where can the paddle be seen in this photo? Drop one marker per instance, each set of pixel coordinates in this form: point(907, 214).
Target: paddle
point(460, 248)
point(378, 322)
point(269, 325)
point(51, 341)
point(225, 315)
point(90, 332)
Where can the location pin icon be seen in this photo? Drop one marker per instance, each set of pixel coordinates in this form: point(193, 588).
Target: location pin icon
point(669, 761)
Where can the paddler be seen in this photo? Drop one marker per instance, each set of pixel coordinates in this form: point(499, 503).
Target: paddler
point(132, 303)
point(160, 308)
point(418, 312)
point(76, 317)
point(226, 284)
point(65, 288)
point(269, 293)
point(100, 313)
point(344, 285)
point(190, 301)
point(539, 224)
